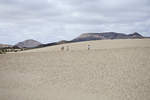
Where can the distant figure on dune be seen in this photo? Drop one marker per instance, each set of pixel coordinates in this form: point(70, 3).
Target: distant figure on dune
point(89, 47)
point(67, 48)
point(62, 48)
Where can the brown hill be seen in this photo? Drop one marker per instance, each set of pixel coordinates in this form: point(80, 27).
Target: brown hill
point(135, 35)
point(106, 35)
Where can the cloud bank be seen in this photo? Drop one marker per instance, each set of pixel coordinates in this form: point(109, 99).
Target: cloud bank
point(54, 20)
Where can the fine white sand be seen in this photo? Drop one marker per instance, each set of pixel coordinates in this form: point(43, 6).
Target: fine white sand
point(110, 70)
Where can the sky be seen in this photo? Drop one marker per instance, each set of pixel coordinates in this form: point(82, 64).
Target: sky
point(54, 20)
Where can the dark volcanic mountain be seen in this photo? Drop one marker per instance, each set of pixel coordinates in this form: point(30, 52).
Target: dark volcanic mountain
point(28, 44)
point(135, 35)
point(106, 35)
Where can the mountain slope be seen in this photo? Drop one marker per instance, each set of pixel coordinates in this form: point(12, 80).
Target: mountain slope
point(135, 35)
point(28, 44)
point(105, 35)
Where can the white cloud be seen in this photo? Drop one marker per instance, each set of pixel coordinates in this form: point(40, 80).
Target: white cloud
point(53, 20)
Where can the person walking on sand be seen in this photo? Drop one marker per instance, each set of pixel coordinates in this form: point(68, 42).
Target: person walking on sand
point(67, 48)
point(62, 48)
point(89, 47)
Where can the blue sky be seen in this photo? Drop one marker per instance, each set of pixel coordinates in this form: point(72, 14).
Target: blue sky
point(54, 20)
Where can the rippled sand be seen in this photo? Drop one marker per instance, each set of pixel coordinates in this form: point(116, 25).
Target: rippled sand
point(111, 70)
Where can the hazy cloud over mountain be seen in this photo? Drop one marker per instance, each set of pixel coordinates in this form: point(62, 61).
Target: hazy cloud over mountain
point(53, 20)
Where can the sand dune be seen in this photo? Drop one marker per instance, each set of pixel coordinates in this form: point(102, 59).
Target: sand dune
point(111, 70)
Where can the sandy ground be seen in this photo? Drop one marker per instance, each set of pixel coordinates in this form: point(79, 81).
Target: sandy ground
point(111, 70)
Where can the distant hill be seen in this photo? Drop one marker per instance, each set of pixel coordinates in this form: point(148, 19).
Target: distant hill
point(96, 36)
point(135, 35)
point(28, 44)
point(5, 45)
point(54, 43)
point(106, 35)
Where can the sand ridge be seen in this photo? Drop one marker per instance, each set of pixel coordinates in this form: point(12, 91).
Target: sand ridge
point(111, 70)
